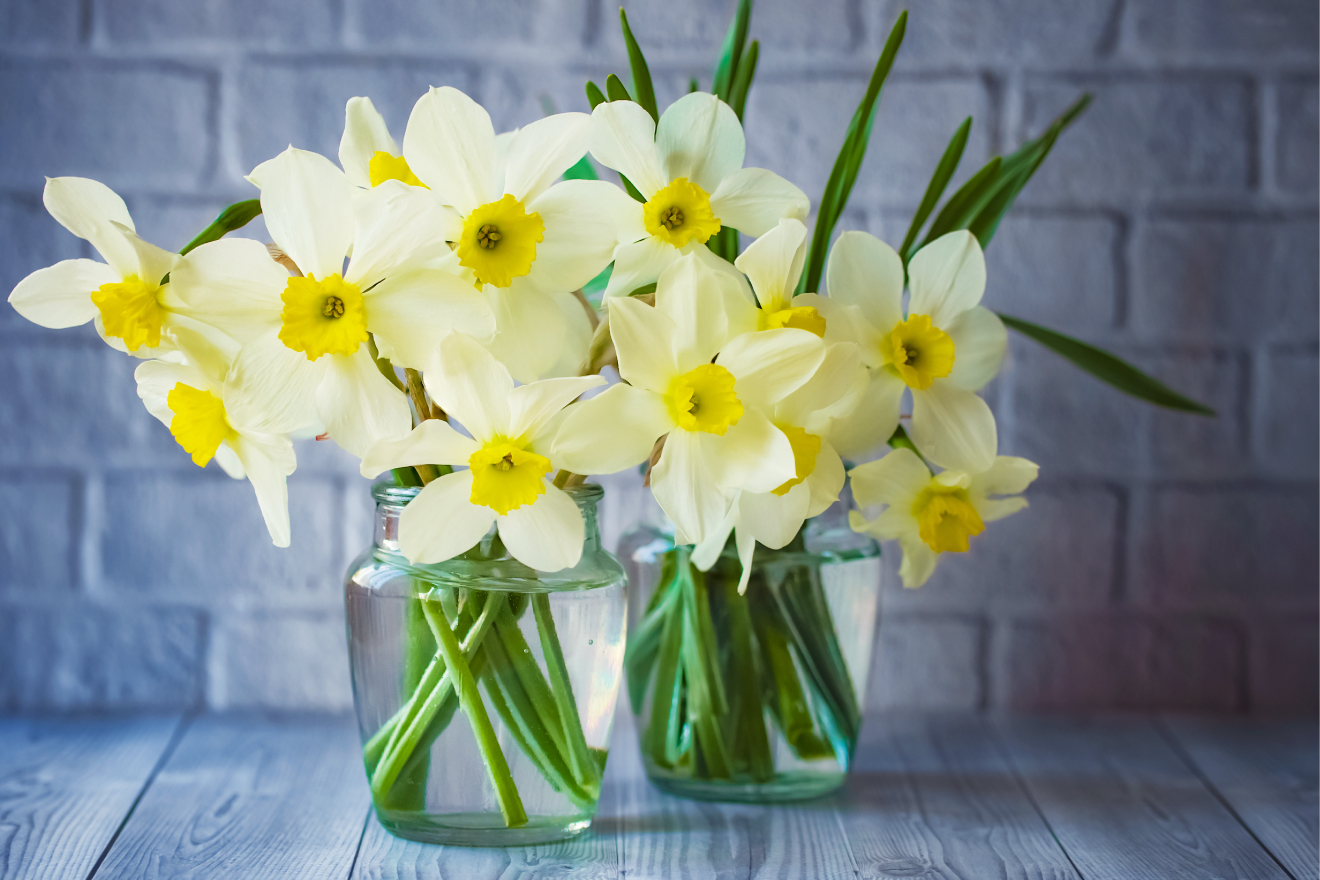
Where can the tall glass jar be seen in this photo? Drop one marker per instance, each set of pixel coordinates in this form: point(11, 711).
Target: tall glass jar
point(755, 697)
point(484, 689)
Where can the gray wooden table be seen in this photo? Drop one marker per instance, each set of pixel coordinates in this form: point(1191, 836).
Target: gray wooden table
point(933, 796)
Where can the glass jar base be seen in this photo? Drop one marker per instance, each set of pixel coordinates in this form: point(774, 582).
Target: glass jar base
point(479, 829)
point(782, 788)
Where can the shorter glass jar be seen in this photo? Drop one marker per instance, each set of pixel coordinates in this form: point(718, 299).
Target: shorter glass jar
point(484, 690)
point(757, 697)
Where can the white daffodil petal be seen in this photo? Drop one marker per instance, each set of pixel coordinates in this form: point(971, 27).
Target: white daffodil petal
point(994, 509)
point(979, 344)
point(771, 364)
point(267, 460)
point(895, 479)
point(946, 277)
point(358, 405)
point(874, 418)
point(1009, 475)
point(685, 489)
point(582, 220)
point(229, 461)
point(471, 385)
point(831, 392)
point(895, 524)
point(205, 347)
point(707, 553)
point(531, 406)
point(865, 272)
point(639, 264)
point(688, 295)
point(953, 428)
point(919, 562)
point(623, 138)
point(431, 442)
point(59, 296)
point(612, 431)
point(529, 329)
point(825, 480)
point(575, 343)
point(272, 388)
point(774, 263)
point(306, 202)
point(398, 227)
point(441, 522)
point(753, 455)
point(450, 146)
point(699, 138)
point(365, 135)
point(90, 209)
point(410, 311)
point(773, 519)
point(156, 379)
point(754, 200)
point(154, 263)
point(233, 284)
point(546, 535)
point(644, 340)
point(746, 545)
point(544, 150)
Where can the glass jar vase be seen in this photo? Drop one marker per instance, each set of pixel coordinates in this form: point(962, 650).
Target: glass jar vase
point(755, 697)
point(484, 690)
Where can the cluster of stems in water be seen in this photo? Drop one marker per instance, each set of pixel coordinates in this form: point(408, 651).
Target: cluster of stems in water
point(715, 663)
point(459, 638)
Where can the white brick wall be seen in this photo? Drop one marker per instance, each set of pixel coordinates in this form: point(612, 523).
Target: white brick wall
point(1166, 561)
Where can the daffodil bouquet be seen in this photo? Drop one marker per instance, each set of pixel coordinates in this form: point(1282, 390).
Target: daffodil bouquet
point(449, 310)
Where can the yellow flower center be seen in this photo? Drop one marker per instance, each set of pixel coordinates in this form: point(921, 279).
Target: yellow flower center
point(505, 477)
point(383, 167)
point(131, 311)
point(796, 317)
point(805, 449)
point(917, 352)
point(704, 400)
point(946, 518)
point(498, 242)
point(323, 317)
point(199, 422)
point(679, 213)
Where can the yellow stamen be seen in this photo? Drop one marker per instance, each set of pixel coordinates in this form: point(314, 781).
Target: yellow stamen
point(946, 518)
point(805, 449)
point(498, 242)
point(796, 317)
point(505, 477)
point(383, 167)
point(323, 317)
point(199, 423)
point(918, 352)
point(703, 399)
point(131, 311)
point(679, 213)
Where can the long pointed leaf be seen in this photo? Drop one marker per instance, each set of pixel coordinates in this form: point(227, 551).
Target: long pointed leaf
point(615, 89)
point(963, 205)
point(743, 81)
point(1107, 367)
point(641, 74)
point(595, 96)
point(944, 171)
point(726, 68)
point(234, 217)
point(582, 169)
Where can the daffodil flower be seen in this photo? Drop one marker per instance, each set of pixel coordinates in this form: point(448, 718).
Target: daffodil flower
point(367, 153)
point(306, 357)
point(527, 241)
point(192, 400)
point(507, 457)
point(707, 393)
point(930, 515)
point(133, 307)
point(689, 170)
point(945, 349)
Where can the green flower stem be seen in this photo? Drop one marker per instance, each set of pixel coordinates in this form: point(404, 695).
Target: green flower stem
point(533, 683)
point(706, 702)
point(506, 792)
point(584, 768)
point(785, 696)
point(665, 696)
point(752, 743)
point(387, 736)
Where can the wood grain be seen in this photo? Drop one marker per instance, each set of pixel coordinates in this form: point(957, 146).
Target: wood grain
point(933, 797)
point(1124, 806)
point(66, 786)
point(1267, 771)
point(253, 798)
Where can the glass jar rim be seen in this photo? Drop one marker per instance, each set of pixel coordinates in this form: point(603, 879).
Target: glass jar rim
point(586, 495)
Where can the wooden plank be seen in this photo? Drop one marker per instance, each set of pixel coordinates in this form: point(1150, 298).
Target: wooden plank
point(1124, 806)
point(250, 797)
point(66, 786)
point(932, 796)
point(1267, 772)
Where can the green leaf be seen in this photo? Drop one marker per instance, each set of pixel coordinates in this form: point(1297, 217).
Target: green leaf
point(849, 161)
point(743, 81)
point(1107, 368)
point(595, 96)
point(614, 88)
point(594, 288)
point(948, 164)
point(693, 85)
point(641, 74)
point(582, 169)
point(234, 217)
point(963, 204)
point(901, 440)
point(726, 68)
